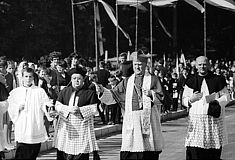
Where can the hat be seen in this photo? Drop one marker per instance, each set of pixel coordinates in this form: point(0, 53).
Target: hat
point(138, 56)
point(77, 70)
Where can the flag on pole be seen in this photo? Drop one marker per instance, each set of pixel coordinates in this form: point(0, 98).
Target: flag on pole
point(106, 56)
point(177, 64)
point(109, 11)
point(130, 2)
point(164, 28)
point(164, 60)
point(128, 56)
point(162, 3)
point(225, 4)
point(182, 59)
point(139, 6)
point(195, 4)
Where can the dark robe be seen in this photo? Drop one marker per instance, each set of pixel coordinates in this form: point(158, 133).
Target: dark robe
point(3, 92)
point(86, 96)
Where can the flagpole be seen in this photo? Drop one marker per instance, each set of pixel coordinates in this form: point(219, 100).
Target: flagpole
point(151, 33)
point(96, 47)
point(73, 23)
point(204, 2)
point(136, 26)
point(175, 50)
point(117, 49)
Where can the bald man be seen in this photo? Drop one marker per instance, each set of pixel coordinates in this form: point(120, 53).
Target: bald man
point(206, 95)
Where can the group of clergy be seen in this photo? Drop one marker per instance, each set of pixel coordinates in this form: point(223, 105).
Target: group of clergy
point(140, 97)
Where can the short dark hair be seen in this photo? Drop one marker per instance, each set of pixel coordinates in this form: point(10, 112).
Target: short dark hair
point(102, 64)
point(44, 68)
point(55, 54)
point(3, 63)
point(63, 63)
point(74, 55)
point(123, 54)
point(82, 61)
point(29, 70)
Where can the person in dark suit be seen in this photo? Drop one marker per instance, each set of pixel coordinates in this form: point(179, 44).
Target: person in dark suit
point(125, 66)
point(103, 74)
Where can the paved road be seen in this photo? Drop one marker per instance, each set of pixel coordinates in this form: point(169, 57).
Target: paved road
point(174, 133)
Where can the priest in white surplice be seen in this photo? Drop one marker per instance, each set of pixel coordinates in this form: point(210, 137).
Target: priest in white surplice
point(206, 95)
point(27, 106)
point(139, 95)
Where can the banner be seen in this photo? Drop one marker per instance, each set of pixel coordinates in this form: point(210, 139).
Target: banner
point(177, 64)
point(130, 2)
point(108, 9)
point(195, 4)
point(162, 3)
point(225, 4)
point(164, 28)
point(140, 7)
point(182, 59)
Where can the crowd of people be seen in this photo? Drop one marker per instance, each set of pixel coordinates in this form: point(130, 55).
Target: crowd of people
point(67, 92)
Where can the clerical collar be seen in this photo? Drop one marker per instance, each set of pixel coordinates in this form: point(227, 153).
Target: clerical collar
point(77, 89)
point(203, 75)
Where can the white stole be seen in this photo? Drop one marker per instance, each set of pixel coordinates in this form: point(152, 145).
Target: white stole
point(201, 106)
point(146, 112)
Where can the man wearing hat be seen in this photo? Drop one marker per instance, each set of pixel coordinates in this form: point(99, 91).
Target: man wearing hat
point(139, 95)
point(76, 106)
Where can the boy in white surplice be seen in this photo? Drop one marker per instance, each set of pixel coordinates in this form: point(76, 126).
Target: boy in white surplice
point(27, 106)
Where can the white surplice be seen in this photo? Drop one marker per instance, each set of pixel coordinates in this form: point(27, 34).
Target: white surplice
point(205, 131)
point(29, 123)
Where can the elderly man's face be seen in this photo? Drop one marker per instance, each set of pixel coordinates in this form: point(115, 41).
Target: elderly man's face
point(77, 81)
point(139, 67)
point(202, 65)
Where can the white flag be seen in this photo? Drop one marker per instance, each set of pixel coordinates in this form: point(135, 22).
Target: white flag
point(162, 3)
point(109, 10)
point(182, 59)
point(195, 4)
point(140, 7)
point(225, 4)
point(130, 2)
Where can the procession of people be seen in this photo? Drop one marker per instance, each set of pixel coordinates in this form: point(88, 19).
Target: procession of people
point(67, 93)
